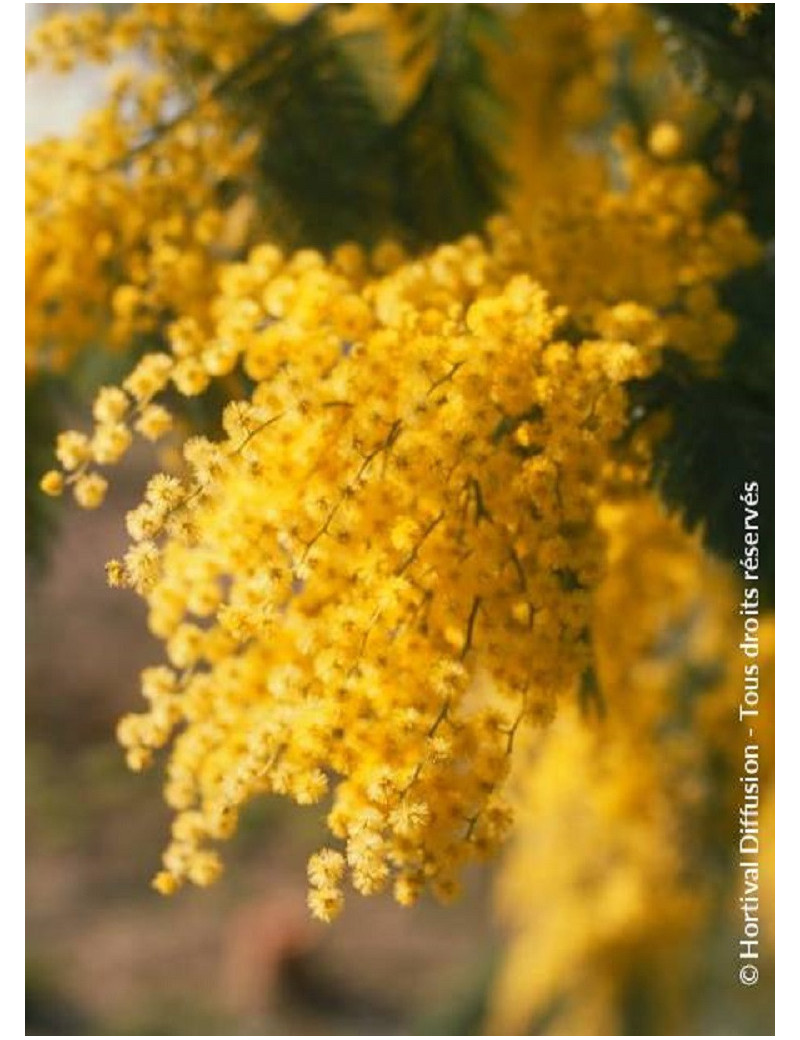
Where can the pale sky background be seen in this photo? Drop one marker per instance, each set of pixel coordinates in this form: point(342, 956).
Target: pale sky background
point(55, 103)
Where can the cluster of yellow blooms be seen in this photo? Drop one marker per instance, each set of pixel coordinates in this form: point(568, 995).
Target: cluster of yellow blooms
point(610, 874)
point(216, 36)
point(385, 570)
point(555, 77)
point(385, 567)
point(129, 218)
point(126, 220)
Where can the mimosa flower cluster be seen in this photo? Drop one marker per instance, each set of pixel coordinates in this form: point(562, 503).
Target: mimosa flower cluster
point(385, 568)
point(390, 568)
point(125, 224)
point(129, 219)
point(382, 570)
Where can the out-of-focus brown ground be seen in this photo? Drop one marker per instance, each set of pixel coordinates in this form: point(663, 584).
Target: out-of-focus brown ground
point(107, 955)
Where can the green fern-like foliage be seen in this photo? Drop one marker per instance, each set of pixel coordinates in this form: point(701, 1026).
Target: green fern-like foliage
point(322, 162)
point(446, 173)
point(339, 162)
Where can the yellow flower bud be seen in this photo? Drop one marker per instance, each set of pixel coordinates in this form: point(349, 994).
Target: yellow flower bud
point(52, 483)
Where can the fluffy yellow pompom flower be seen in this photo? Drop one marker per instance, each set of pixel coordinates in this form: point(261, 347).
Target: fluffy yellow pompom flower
point(90, 490)
point(665, 140)
point(153, 422)
point(73, 449)
point(52, 483)
point(165, 883)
